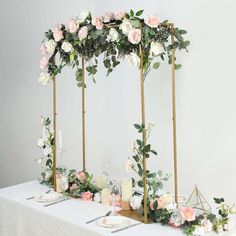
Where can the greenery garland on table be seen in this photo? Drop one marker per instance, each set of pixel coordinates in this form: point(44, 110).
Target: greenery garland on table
point(162, 207)
point(116, 35)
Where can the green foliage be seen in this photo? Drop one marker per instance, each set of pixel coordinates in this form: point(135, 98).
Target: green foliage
point(141, 151)
point(160, 215)
point(219, 200)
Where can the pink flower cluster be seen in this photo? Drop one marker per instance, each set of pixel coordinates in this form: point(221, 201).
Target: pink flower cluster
point(152, 21)
point(81, 176)
point(57, 33)
point(187, 213)
point(98, 21)
point(87, 196)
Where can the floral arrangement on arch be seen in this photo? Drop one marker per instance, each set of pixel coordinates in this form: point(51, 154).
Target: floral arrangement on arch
point(116, 35)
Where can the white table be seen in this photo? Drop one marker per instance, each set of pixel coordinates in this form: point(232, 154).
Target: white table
point(21, 217)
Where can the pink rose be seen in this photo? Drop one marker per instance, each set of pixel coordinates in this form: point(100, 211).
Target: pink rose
point(98, 22)
point(57, 33)
point(160, 204)
point(152, 21)
point(83, 32)
point(81, 176)
point(43, 63)
point(73, 187)
point(108, 17)
point(119, 15)
point(188, 213)
point(43, 49)
point(152, 205)
point(134, 36)
point(72, 26)
point(87, 196)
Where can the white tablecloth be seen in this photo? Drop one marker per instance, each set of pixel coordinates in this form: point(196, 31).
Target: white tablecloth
point(19, 217)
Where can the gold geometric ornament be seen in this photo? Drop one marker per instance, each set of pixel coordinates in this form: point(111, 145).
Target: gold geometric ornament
point(198, 202)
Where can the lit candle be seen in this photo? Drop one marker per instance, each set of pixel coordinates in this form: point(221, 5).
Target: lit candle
point(126, 188)
point(60, 138)
point(101, 181)
point(105, 196)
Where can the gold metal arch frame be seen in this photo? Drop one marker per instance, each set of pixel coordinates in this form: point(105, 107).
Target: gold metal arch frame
point(144, 135)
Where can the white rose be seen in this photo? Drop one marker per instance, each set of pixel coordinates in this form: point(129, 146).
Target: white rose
point(133, 59)
point(113, 35)
point(135, 202)
point(171, 206)
point(40, 142)
point(156, 48)
point(83, 15)
point(167, 199)
point(208, 225)
point(67, 47)
point(50, 45)
point(44, 78)
point(229, 226)
point(47, 151)
point(199, 231)
point(219, 229)
point(126, 26)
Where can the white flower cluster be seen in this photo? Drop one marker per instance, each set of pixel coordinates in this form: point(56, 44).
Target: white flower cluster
point(45, 141)
point(44, 78)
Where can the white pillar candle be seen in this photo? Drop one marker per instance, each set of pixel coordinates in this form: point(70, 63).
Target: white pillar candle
point(101, 181)
point(60, 138)
point(126, 188)
point(105, 196)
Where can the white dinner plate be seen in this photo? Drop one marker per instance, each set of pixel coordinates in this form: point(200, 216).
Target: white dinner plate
point(112, 221)
point(48, 197)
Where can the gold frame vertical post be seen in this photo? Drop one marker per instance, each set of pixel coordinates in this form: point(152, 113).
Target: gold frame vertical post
point(54, 142)
point(174, 115)
point(144, 135)
point(83, 116)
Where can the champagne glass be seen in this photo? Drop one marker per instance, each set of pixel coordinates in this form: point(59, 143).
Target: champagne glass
point(105, 168)
point(115, 196)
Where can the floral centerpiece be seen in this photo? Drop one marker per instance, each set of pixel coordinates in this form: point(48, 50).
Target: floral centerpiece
point(79, 182)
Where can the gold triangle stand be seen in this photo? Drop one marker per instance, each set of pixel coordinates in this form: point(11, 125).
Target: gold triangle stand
point(198, 201)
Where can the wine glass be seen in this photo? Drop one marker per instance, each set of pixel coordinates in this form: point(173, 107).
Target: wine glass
point(64, 182)
point(105, 168)
point(115, 196)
